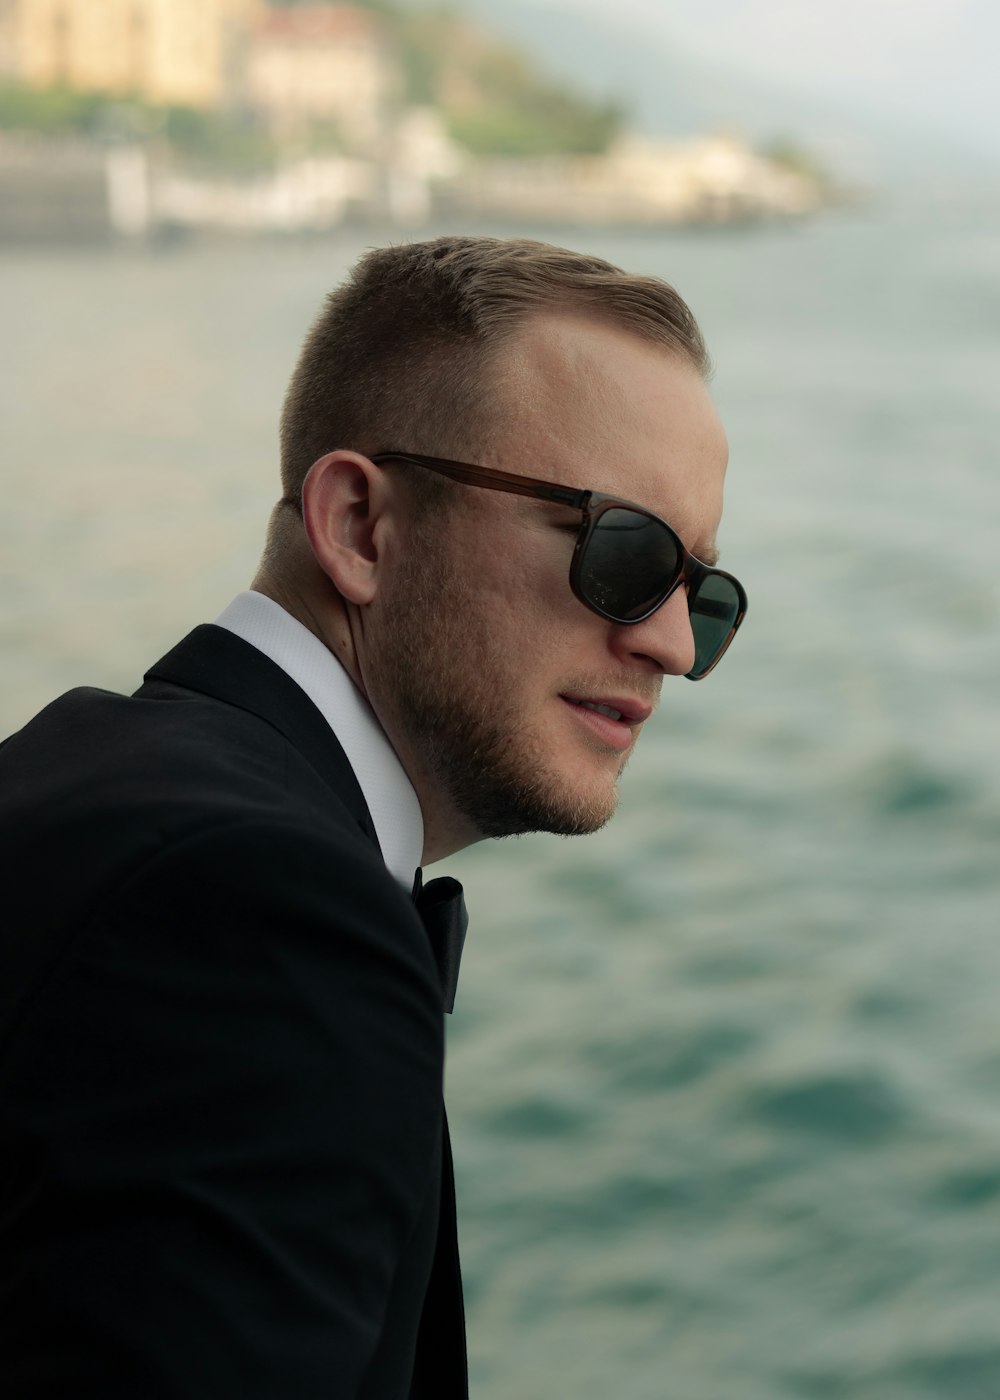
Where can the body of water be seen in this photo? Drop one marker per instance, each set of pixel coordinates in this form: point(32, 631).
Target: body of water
point(724, 1079)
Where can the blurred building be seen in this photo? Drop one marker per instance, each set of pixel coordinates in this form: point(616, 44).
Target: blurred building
point(640, 183)
point(185, 52)
point(322, 65)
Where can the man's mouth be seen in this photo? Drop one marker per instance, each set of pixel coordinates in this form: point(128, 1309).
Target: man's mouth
point(614, 720)
point(600, 709)
point(623, 709)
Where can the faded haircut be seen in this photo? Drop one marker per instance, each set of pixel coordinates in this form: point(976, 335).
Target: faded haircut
point(401, 354)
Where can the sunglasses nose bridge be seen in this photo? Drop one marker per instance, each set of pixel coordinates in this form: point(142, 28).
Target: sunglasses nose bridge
point(692, 571)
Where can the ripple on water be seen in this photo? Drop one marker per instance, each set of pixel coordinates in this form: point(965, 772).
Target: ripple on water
point(669, 1059)
point(958, 1373)
point(854, 1110)
point(969, 1189)
point(538, 1116)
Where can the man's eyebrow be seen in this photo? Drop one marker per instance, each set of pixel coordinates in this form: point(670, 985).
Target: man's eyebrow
point(709, 555)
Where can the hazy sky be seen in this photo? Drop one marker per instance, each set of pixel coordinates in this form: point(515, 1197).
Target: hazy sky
point(928, 61)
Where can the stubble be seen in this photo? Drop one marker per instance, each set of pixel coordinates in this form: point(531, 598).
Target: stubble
point(438, 670)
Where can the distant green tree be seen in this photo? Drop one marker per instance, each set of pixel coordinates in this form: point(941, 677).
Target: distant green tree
point(494, 97)
point(783, 151)
point(218, 141)
point(426, 42)
point(51, 111)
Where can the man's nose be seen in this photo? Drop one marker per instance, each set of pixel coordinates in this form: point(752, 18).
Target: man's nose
point(665, 639)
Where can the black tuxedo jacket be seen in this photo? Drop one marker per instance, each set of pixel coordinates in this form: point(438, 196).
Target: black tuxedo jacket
point(224, 1168)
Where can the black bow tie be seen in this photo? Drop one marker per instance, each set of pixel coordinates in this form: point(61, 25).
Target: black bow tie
point(441, 905)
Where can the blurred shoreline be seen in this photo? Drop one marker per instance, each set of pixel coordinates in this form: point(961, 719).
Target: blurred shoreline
point(75, 192)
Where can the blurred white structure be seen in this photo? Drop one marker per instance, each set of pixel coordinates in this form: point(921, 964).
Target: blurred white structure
point(717, 174)
point(642, 182)
point(306, 196)
point(130, 208)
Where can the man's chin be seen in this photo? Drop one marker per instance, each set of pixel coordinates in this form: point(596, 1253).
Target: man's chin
point(518, 813)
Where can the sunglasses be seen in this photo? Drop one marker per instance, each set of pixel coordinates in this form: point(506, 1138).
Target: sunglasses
point(627, 561)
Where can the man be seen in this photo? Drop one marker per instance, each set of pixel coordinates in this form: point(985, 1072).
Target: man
point(225, 1167)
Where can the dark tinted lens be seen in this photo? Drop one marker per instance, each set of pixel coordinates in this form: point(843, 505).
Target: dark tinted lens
point(630, 561)
point(714, 607)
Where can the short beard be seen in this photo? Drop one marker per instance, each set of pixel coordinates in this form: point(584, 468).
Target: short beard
point(500, 792)
point(435, 674)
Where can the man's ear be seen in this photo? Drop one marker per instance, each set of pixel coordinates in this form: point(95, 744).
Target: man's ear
point(344, 500)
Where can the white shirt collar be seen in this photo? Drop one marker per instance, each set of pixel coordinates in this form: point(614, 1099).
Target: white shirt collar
point(387, 790)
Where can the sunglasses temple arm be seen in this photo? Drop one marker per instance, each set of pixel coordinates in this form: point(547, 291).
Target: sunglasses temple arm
point(493, 480)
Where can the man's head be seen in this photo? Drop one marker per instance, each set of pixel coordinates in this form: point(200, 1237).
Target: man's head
point(451, 605)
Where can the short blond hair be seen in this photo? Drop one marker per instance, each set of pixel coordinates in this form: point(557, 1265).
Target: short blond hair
point(400, 357)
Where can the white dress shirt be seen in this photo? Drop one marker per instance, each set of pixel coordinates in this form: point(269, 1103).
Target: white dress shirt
point(387, 790)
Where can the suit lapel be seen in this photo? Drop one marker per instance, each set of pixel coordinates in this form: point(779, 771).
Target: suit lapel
point(215, 662)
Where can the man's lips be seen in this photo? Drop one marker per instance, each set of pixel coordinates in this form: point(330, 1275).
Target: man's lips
point(624, 708)
point(612, 718)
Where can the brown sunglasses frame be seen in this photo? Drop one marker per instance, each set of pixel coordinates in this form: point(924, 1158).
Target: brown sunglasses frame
point(593, 504)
